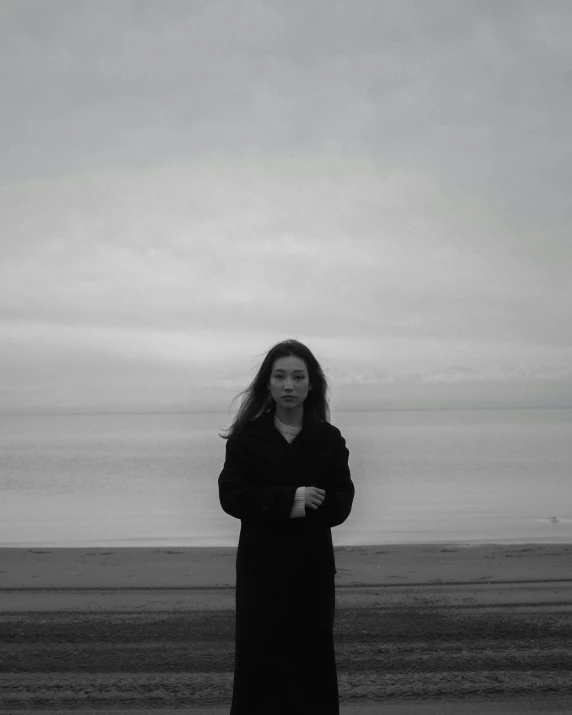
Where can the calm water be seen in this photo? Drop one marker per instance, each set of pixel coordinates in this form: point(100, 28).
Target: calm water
point(151, 480)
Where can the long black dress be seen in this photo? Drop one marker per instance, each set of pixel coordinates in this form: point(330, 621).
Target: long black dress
point(285, 592)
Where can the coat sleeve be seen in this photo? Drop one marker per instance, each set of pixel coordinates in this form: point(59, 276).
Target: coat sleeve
point(340, 490)
point(266, 504)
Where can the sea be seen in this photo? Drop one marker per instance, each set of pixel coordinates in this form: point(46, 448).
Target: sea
point(421, 476)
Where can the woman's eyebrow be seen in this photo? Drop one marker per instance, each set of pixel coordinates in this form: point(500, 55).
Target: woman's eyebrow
point(279, 369)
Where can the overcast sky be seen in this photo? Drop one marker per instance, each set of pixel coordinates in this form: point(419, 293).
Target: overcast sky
point(183, 184)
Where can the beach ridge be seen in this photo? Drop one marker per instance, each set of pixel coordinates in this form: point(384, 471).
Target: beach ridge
point(215, 567)
point(356, 584)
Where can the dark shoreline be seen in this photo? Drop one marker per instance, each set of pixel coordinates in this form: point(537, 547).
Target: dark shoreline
point(154, 627)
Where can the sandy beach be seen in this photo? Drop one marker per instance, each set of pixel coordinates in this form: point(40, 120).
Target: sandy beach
point(154, 627)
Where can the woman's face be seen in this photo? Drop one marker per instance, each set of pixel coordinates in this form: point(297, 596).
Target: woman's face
point(289, 377)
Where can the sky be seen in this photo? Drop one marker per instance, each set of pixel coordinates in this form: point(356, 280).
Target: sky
point(184, 184)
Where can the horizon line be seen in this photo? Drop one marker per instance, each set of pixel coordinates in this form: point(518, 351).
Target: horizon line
point(65, 413)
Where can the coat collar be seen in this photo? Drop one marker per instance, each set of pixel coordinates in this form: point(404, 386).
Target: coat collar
point(311, 428)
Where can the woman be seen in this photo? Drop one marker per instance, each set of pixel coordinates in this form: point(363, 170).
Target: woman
point(286, 477)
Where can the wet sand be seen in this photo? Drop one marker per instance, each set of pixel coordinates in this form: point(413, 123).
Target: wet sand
point(214, 566)
point(154, 627)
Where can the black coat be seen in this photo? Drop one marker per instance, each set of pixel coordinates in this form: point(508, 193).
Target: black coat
point(285, 594)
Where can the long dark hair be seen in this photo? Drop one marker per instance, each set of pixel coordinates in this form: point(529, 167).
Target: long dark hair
point(257, 400)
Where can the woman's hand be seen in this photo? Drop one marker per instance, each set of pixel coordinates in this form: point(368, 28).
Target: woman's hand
point(313, 497)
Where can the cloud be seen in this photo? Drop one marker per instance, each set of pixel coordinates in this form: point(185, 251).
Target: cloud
point(133, 250)
point(185, 184)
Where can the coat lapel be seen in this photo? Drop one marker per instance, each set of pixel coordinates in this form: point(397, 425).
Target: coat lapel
point(264, 436)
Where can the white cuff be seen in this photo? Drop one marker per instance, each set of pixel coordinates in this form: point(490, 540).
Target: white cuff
point(299, 508)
